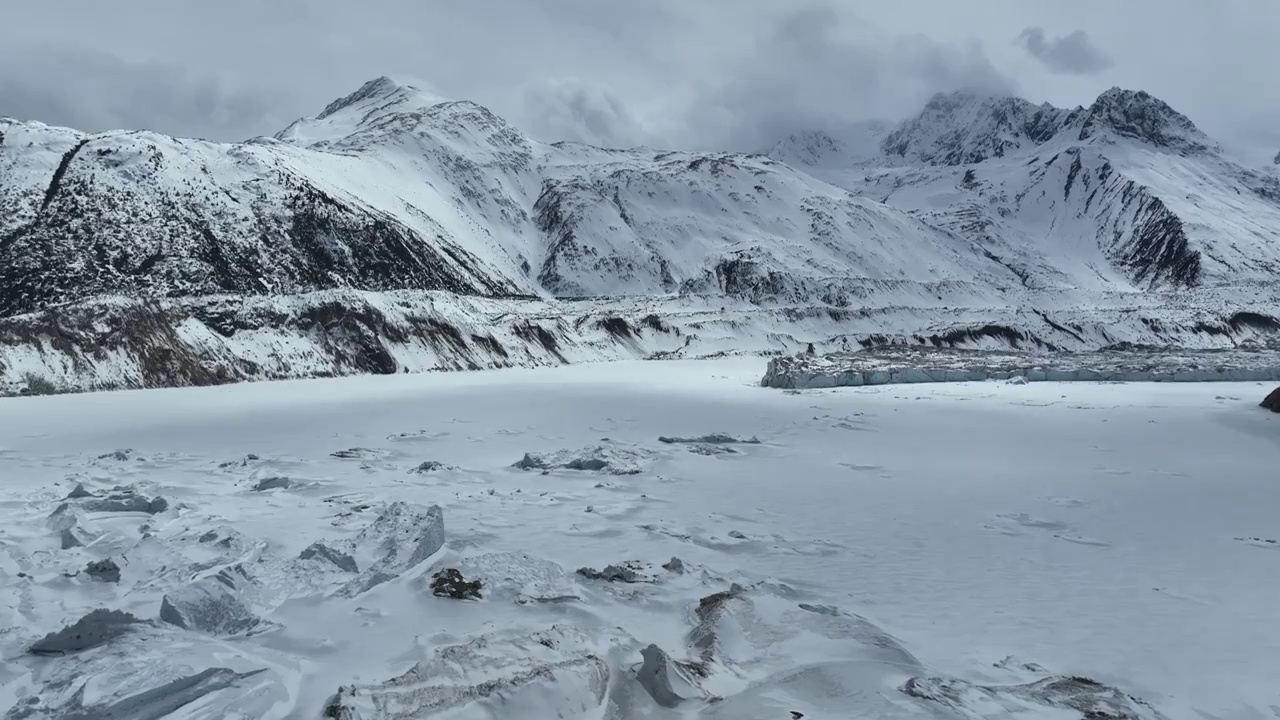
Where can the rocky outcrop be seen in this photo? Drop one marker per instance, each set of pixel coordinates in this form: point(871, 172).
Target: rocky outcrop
point(1272, 401)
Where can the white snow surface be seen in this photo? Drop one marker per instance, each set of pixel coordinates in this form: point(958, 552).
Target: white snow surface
point(986, 538)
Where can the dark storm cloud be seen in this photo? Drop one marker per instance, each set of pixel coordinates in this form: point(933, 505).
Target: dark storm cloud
point(1072, 54)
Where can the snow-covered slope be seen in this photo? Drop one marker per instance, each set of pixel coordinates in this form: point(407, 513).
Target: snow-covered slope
point(1127, 192)
point(392, 188)
point(979, 213)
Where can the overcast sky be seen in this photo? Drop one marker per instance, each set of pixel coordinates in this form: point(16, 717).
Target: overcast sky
point(736, 74)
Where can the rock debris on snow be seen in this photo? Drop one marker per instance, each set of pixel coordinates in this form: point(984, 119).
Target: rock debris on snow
point(429, 466)
point(627, 572)
point(449, 583)
point(105, 570)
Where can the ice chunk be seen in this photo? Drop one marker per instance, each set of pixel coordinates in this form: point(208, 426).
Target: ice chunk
point(319, 550)
point(712, 439)
point(555, 673)
point(399, 539)
point(612, 459)
point(273, 483)
point(98, 627)
point(669, 682)
point(521, 577)
point(1088, 697)
point(212, 605)
point(105, 570)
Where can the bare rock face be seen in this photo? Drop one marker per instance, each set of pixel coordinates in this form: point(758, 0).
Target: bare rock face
point(97, 628)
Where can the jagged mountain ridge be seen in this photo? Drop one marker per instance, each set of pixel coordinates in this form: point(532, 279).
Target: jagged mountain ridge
point(392, 188)
point(1127, 190)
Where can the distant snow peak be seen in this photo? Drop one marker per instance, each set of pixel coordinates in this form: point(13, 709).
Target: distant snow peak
point(1138, 115)
point(962, 127)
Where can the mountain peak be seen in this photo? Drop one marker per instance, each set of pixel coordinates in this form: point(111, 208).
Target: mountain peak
point(377, 88)
point(1138, 115)
point(374, 100)
point(963, 127)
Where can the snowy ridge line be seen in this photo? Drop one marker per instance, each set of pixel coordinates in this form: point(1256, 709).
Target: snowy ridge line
point(128, 343)
point(802, 372)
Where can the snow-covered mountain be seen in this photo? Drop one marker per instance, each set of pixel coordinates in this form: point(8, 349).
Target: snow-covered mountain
point(391, 188)
point(978, 212)
point(1124, 193)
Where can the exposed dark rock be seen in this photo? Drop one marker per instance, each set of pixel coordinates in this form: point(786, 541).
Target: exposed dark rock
point(627, 572)
point(97, 628)
point(737, 535)
point(1272, 401)
point(711, 609)
point(429, 466)
point(105, 570)
point(449, 583)
point(675, 565)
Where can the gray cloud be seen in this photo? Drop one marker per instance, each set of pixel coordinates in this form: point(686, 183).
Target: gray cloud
point(809, 73)
point(570, 109)
point(1072, 54)
point(711, 73)
point(96, 92)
